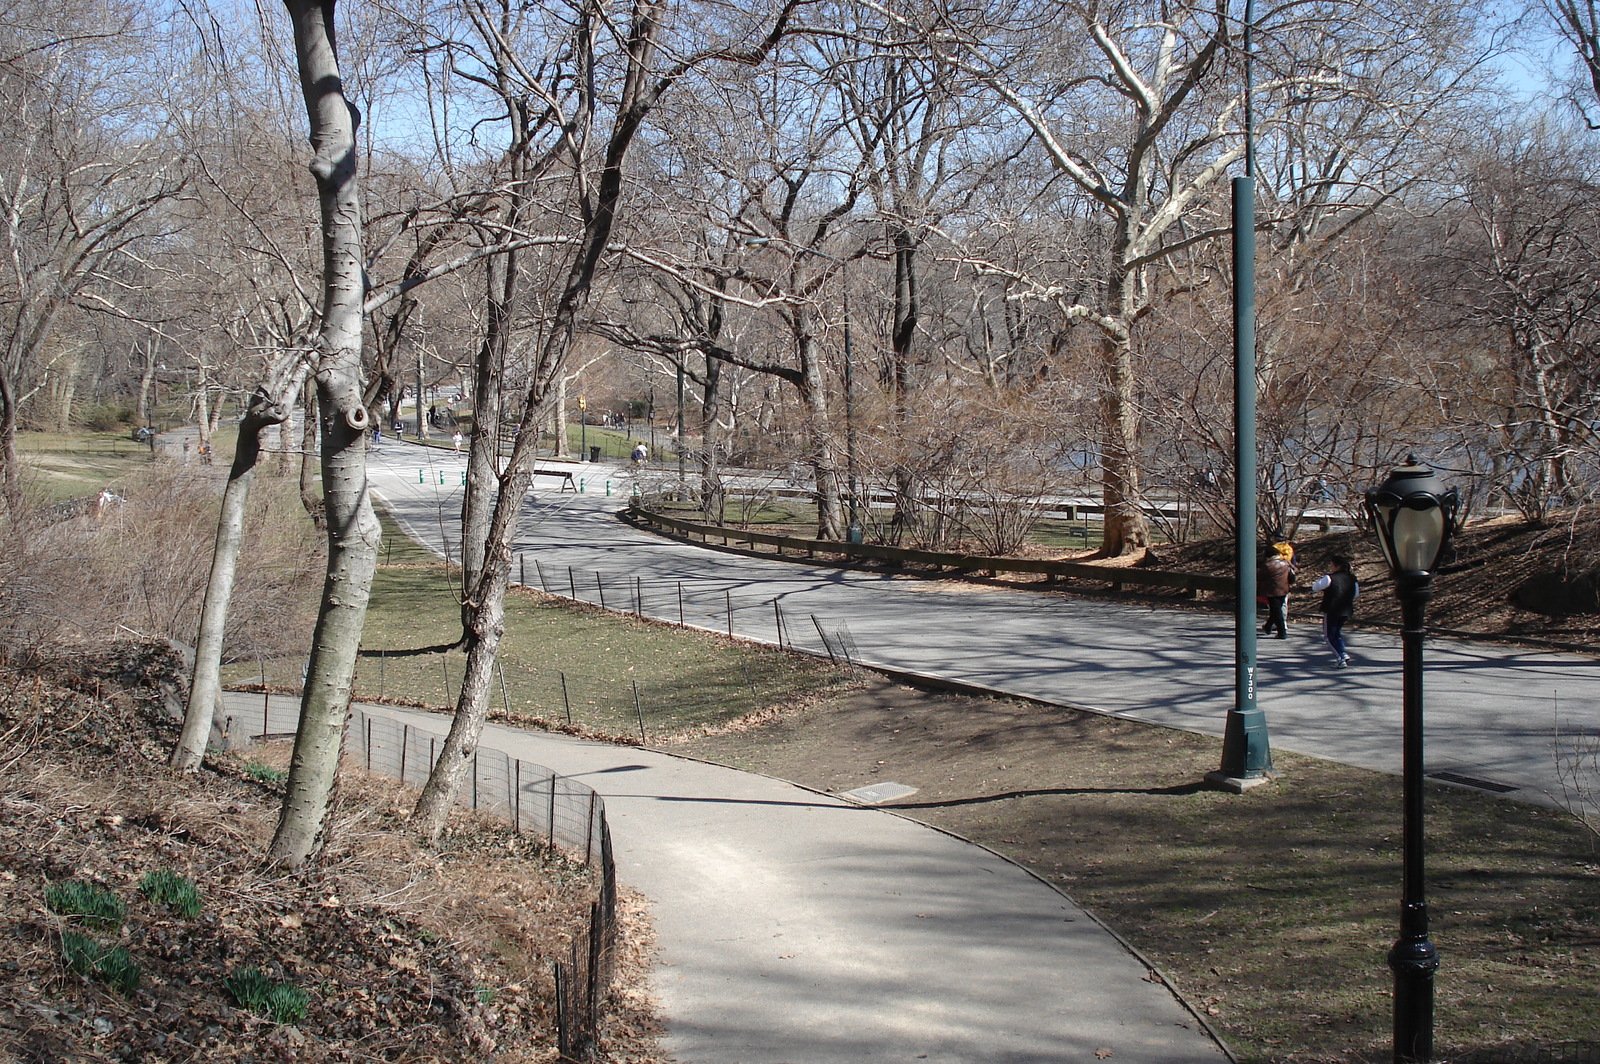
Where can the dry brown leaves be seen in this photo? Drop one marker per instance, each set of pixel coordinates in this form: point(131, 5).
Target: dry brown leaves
point(408, 953)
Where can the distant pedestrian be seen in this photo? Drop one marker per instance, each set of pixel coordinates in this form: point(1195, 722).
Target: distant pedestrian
point(1277, 578)
point(641, 454)
point(1339, 590)
point(455, 440)
point(185, 452)
point(205, 452)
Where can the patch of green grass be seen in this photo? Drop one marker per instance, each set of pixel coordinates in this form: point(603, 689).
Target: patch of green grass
point(89, 904)
point(280, 1002)
point(264, 773)
point(1067, 535)
point(558, 662)
point(110, 965)
point(64, 466)
point(163, 886)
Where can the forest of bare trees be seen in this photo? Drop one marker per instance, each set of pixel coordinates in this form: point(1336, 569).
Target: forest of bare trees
point(989, 239)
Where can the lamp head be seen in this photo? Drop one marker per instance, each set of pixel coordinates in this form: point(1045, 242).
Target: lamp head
point(1414, 515)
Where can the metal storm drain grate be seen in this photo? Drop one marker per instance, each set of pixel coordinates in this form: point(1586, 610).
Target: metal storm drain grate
point(1472, 781)
point(878, 793)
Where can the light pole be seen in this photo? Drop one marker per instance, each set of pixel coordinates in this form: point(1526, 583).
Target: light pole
point(853, 529)
point(1413, 514)
point(1246, 751)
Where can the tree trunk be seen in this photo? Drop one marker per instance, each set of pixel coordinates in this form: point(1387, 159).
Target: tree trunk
point(11, 484)
point(202, 401)
point(67, 390)
point(908, 486)
point(824, 454)
point(713, 494)
point(146, 375)
point(269, 406)
point(1126, 530)
point(353, 530)
point(558, 417)
point(487, 626)
point(483, 461)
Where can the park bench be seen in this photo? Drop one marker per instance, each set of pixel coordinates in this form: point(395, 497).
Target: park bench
point(564, 474)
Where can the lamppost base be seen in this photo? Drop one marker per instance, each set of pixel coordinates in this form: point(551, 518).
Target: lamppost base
point(1221, 781)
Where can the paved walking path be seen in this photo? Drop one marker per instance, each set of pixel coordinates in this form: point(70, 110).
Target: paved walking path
point(796, 928)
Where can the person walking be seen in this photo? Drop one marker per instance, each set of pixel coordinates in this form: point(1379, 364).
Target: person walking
point(1339, 590)
point(1277, 577)
point(640, 454)
point(455, 440)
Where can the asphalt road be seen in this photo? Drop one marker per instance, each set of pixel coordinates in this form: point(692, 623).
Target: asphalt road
point(1495, 715)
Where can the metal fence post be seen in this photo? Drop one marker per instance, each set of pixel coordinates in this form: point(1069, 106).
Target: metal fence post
point(552, 810)
point(514, 799)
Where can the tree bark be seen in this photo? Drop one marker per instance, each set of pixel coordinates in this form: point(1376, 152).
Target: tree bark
point(269, 407)
point(353, 530)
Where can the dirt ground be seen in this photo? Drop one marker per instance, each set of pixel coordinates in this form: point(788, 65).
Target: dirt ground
point(405, 953)
point(1271, 912)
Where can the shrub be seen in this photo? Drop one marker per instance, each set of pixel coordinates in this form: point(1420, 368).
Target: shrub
point(110, 965)
point(93, 905)
point(107, 417)
point(279, 1002)
point(166, 887)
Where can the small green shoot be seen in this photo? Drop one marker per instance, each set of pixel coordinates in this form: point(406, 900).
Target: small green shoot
point(93, 905)
point(279, 1002)
point(166, 887)
point(110, 965)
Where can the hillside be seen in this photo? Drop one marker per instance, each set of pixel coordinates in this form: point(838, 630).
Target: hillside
point(393, 951)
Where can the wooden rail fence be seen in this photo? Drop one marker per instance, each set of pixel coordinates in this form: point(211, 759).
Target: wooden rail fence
point(740, 538)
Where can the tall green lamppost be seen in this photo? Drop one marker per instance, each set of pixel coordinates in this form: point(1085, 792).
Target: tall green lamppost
point(1246, 751)
point(1413, 514)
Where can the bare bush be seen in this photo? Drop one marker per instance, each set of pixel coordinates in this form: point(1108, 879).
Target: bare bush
point(137, 563)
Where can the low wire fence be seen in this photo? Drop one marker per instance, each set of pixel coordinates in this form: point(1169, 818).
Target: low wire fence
point(560, 811)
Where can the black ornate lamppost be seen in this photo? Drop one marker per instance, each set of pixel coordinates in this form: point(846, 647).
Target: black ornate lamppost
point(1414, 516)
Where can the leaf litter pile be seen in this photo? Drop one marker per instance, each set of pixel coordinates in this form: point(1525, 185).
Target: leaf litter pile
point(143, 924)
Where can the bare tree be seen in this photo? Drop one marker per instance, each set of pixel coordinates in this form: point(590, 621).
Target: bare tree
point(1578, 23)
point(645, 78)
point(353, 532)
point(85, 159)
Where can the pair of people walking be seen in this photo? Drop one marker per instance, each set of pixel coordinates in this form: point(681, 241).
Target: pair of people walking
point(1339, 589)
